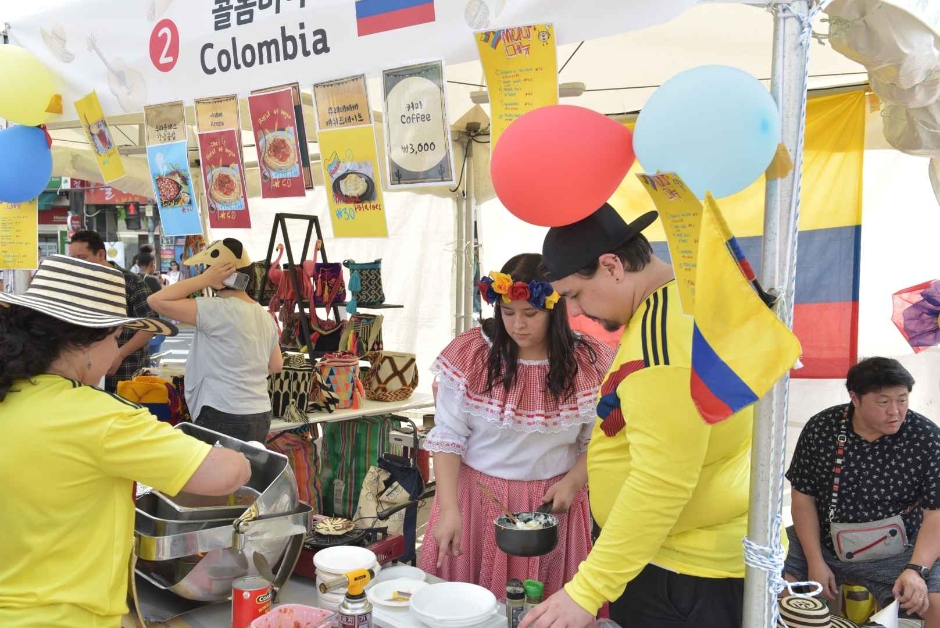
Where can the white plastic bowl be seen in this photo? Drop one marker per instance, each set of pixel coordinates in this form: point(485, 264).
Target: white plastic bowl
point(343, 559)
point(452, 605)
point(400, 571)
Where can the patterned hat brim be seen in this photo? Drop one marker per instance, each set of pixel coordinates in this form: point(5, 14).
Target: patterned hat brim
point(83, 318)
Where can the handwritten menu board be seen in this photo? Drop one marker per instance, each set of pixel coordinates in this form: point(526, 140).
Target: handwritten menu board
point(165, 123)
point(301, 128)
point(521, 67)
point(224, 178)
point(343, 102)
point(19, 236)
point(276, 140)
point(216, 114)
point(351, 171)
point(681, 214)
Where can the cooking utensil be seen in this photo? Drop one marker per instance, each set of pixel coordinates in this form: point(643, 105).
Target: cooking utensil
point(525, 542)
point(493, 499)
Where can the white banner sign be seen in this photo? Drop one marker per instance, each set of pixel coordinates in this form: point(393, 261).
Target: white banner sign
point(135, 53)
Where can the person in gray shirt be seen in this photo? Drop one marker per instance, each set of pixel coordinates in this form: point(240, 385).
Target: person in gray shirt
point(234, 349)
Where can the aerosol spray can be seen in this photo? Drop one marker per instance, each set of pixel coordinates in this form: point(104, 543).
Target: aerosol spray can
point(356, 609)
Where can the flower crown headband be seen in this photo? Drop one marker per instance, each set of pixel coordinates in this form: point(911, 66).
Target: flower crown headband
point(539, 294)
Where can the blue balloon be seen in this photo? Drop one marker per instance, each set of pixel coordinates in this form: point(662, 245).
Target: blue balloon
point(25, 163)
point(717, 127)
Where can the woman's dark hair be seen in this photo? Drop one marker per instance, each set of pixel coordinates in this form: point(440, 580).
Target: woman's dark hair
point(174, 263)
point(144, 260)
point(30, 342)
point(634, 254)
point(874, 374)
point(562, 342)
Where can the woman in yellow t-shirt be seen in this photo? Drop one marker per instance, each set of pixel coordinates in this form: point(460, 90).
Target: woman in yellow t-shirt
point(71, 452)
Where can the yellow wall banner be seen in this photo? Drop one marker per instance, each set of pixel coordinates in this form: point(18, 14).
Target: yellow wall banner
point(99, 137)
point(521, 66)
point(681, 216)
point(19, 235)
point(351, 172)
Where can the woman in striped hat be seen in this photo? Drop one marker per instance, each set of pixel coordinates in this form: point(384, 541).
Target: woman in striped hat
point(72, 452)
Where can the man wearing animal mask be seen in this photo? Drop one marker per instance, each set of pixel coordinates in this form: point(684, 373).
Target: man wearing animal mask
point(234, 348)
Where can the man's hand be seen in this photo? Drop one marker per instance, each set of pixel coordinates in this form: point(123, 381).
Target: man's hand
point(820, 572)
point(216, 274)
point(560, 494)
point(447, 534)
point(558, 611)
point(911, 591)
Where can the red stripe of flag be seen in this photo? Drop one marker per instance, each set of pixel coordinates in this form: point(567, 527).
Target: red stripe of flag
point(421, 14)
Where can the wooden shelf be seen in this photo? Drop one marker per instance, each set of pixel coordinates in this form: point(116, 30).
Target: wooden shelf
point(417, 401)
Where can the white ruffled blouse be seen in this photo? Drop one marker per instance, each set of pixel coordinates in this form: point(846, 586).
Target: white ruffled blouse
point(520, 434)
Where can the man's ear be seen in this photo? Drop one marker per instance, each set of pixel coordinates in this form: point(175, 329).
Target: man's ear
point(610, 264)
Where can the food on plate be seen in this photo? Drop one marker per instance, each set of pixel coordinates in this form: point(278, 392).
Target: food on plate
point(169, 189)
point(279, 152)
point(354, 185)
point(333, 526)
point(225, 187)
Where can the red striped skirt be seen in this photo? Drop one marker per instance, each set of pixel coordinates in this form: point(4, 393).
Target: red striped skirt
point(485, 564)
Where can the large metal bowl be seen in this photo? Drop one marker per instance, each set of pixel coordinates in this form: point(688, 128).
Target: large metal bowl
point(518, 542)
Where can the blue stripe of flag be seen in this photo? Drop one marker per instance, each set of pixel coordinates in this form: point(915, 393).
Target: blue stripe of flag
point(371, 8)
point(723, 382)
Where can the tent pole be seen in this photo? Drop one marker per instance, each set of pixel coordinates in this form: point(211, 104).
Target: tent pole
point(459, 246)
point(768, 451)
point(469, 252)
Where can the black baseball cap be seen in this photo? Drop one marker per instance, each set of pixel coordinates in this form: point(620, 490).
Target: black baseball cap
point(568, 249)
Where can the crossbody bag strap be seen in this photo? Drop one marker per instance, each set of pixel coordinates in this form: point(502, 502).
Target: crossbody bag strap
point(841, 441)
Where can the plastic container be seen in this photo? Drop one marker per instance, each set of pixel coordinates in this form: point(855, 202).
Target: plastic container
point(291, 615)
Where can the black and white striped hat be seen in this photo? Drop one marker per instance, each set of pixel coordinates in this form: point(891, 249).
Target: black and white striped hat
point(84, 294)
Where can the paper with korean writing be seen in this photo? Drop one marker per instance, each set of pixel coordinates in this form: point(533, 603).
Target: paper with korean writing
point(276, 142)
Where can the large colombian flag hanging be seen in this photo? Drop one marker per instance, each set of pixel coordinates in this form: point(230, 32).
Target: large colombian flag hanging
point(827, 276)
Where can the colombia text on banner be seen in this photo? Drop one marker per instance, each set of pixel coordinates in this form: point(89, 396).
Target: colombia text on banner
point(739, 346)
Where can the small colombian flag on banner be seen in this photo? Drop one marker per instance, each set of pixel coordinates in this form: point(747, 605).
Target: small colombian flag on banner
point(739, 346)
point(379, 16)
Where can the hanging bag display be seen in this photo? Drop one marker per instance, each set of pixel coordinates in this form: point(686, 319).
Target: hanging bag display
point(867, 541)
point(362, 334)
point(340, 373)
point(326, 334)
point(329, 286)
point(392, 376)
point(291, 386)
point(365, 283)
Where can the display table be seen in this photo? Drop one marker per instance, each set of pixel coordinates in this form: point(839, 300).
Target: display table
point(303, 591)
point(417, 401)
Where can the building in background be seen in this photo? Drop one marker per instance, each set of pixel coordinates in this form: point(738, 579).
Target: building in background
point(125, 221)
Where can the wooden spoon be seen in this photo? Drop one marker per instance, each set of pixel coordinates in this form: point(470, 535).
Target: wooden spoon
point(493, 499)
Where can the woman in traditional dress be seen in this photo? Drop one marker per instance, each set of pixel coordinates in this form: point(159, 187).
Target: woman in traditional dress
point(515, 406)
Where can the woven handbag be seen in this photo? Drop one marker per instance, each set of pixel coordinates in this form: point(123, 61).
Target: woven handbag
point(365, 283)
point(340, 373)
point(291, 386)
point(392, 376)
point(328, 282)
point(362, 334)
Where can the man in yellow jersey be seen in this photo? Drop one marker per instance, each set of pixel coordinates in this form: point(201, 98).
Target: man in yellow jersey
point(668, 490)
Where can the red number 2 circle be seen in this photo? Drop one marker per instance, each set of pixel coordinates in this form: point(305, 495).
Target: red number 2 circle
point(164, 45)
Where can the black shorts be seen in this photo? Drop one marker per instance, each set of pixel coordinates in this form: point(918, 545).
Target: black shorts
point(658, 598)
point(244, 427)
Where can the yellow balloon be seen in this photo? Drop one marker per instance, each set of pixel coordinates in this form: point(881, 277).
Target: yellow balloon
point(27, 87)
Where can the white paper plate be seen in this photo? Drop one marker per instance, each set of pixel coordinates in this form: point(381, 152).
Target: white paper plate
point(453, 604)
point(343, 559)
point(400, 571)
point(383, 592)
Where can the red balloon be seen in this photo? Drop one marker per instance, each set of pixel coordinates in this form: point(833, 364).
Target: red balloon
point(558, 164)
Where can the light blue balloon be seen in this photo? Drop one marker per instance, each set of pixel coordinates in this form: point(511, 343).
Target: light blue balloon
point(717, 127)
point(25, 163)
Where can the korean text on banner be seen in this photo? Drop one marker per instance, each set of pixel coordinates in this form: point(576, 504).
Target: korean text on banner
point(341, 103)
point(272, 120)
point(217, 114)
point(521, 66)
point(351, 171)
point(224, 178)
point(165, 123)
point(19, 236)
point(417, 134)
point(99, 137)
point(301, 129)
point(681, 215)
point(173, 189)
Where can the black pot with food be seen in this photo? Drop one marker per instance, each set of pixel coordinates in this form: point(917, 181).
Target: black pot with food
point(536, 534)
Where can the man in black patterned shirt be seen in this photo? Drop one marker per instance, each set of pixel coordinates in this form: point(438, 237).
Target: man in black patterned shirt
point(134, 352)
point(862, 462)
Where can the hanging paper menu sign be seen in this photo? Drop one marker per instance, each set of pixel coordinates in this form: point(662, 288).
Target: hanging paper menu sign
point(217, 114)
point(341, 103)
point(99, 137)
point(521, 67)
point(165, 123)
point(301, 129)
point(417, 134)
point(19, 236)
point(223, 175)
point(681, 213)
point(173, 189)
point(275, 130)
point(351, 172)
